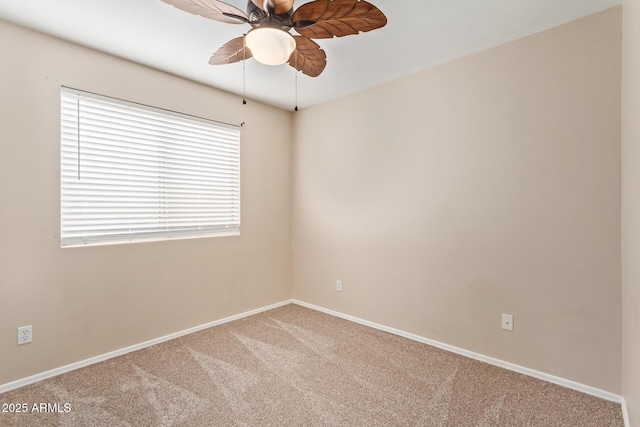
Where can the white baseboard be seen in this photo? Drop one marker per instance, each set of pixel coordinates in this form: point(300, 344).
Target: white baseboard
point(57, 371)
point(490, 360)
point(625, 413)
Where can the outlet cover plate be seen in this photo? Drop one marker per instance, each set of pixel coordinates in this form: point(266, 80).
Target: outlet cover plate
point(507, 322)
point(25, 334)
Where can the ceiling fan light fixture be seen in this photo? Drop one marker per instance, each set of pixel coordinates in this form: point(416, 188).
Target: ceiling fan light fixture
point(270, 46)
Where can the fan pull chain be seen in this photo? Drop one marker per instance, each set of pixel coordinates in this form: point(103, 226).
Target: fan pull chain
point(244, 70)
point(296, 61)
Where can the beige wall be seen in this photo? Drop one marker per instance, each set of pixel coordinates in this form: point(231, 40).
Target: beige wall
point(89, 301)
point(484, 186)
point(631, 210)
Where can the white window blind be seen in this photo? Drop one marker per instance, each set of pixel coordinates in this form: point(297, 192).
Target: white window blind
point(134, 173)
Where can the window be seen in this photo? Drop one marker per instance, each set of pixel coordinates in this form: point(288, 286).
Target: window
point(135, 173)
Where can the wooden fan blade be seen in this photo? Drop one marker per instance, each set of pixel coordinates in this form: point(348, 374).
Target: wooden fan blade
point(212, 9)
point(337, 18)
point(232, 51)
point(276, 7)
point(308, 57)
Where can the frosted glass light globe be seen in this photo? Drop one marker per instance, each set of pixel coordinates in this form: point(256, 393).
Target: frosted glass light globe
point(270, 46)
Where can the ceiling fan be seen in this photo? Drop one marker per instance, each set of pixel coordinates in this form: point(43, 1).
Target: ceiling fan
point(269, 40)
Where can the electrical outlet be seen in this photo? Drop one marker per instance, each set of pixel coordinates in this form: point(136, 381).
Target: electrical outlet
point(24, 335)
point(339, 285)
point(507, 322)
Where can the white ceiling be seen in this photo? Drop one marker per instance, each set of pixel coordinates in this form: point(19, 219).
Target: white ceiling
point(419, 34)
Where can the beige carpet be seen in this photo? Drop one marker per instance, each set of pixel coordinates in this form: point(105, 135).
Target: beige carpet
point(296, 367)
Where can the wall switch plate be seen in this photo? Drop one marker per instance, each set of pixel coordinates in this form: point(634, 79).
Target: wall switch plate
point(507, 322)
point(339, 285)
point(25, 335)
